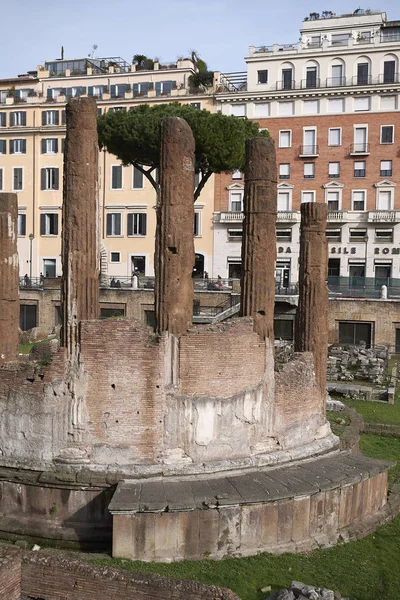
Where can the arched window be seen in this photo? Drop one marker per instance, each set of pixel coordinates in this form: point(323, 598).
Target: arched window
point(389, 70)
point(312, 74)
point(363, 74)
point(338, 73)
point(288, 80)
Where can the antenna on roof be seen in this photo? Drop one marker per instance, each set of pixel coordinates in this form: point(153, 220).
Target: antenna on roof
point(62, 52)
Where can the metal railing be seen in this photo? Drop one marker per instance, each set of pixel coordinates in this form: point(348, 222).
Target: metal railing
point(359, 148)
point(309, 150)
point(30, 283)
point(362, 287)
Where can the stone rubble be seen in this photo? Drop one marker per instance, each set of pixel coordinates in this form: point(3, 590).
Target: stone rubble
point(301, 591)
point(358, 363)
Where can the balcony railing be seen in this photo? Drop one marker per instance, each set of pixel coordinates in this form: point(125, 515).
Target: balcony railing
point(289, 215)
point(231, 216)
point(362, 287)
point(30, 283)
point(309, 150)
point(359, 148)
point(334, 82)
point(310, 83)
point(384, 216)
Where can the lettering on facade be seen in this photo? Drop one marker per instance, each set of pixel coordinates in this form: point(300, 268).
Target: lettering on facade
point(386, 251)
point(282, 250)
point(335, 250)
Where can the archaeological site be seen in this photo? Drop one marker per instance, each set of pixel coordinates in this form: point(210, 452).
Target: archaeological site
point(144, 441)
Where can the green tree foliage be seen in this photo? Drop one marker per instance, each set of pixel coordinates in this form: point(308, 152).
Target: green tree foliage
point(134, 137)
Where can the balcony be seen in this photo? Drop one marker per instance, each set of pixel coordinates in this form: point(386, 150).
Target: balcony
point(288, 216)
point(384, 216)
point(335, 216)
point(232, 216)
point(359, 149)
point(310, 151)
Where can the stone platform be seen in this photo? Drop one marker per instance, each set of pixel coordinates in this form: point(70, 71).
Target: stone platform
point(289, 508)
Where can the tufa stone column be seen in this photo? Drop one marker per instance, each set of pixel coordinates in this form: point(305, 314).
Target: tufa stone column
point(80, 248)
point(311, 326)
point(259, 236)
point(9, 278)
point(174, 290)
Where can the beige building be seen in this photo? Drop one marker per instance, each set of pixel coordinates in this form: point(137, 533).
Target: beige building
point(32, 132)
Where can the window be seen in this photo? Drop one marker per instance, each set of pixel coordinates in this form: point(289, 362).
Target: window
point(261, 109)
point(362, 73)
point(360, 139)
point(238, 110)
point(359, 168)
point(334, 235)
point(50, 117)
point(308, 196)
point(309, 170)
point(311, 107)
point(285, 109)
point(388, 103)
point(309, 141)
point(235, 174)
point(384, 235)
point(114, 224)
point(311, 77)
point(285, 139)
point(196, 105)
point(340, 39)
point(283, 329)
point(284, 201)
point(27, 316)
point(18, 118)
point(1, 180)
point(164, 87)
point(336, 105)
point(333, 267)
point(334, 170)
point(197, 224)
point(3, 147)
point(235, 234)
point(364, 37)
point(362, 103)
point(387, 134)
point(287, 79)
point(332, 200)
point(386, 168)
point(137, 179)
point(50, 146)
point(138, 264)
point(49, 267)
point(284, 171)
point(49, 178)
point(384, 200)
point(3, 119)
point(111, 313)
point(18, 183)
point(337, 75)
point(21, 224)
point(358, 199)
point(354, 333)
point(236, 201)
point(334, 137)
point(116, 177)
point(262, 76)
point(115, 257)
point(137, 224)
point(284, 235)
point(3, 96)
point(389, 71)
point(17, 146)
point(49, 224)
point(357, 235)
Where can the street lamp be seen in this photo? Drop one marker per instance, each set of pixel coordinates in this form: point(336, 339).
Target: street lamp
point(31, 238)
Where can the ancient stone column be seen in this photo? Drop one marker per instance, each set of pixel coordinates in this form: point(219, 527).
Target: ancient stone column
point(175, 222)
point(9, 278)
point(80, 247)
point(311, 326)
point(259, 236)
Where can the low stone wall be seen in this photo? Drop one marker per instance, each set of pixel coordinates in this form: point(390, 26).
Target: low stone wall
point(50, 576)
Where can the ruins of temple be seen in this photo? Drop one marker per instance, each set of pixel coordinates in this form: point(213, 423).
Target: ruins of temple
point(146, 440)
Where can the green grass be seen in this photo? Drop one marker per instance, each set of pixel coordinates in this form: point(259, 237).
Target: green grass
point(25, 348)
point(377, 412)
point(366, 570)
point(386, 448)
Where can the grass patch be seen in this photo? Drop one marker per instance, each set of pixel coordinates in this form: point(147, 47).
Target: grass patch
point(25, 348)
point(387, 448)
point(377, 412)
point(338, 421)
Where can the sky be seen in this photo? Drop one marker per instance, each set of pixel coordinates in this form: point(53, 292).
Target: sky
point(219, 30)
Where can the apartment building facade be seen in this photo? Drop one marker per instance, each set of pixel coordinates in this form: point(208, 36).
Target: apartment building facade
point(32, 133)
point(331, 103)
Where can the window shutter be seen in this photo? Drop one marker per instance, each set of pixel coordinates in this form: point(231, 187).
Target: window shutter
point(137, 178)
point(49, 93)
point(56, 179)
point(130, 224)
point(12, 119)
point(143, 223)
point(90, 90)
point(44, 146)
point(135, 89)
point(42, 179)
point(11, 146)
point(57, 117)
point(44, 119)
point(42, 222)
point(56, 220)
point(68, 92)
point(109, 224)
point(117, 223)
point(3, 120)
point(23, 146)
point(3, 147)
point(113, 91)
point(63, 117)
point(23, 119)
point(56, 145)
point(158, 88)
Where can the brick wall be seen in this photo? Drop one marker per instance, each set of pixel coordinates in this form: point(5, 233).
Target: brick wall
point(213, 359)
point(10, 575)
point(384, 314)
point(326, 154)
point(124, 361)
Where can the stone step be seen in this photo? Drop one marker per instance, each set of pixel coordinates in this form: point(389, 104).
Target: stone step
point(189, 493)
